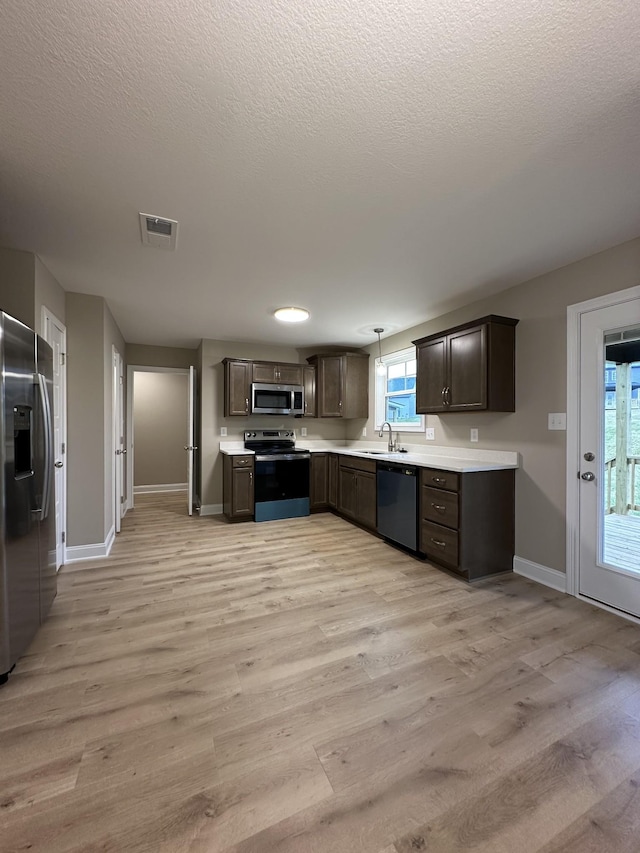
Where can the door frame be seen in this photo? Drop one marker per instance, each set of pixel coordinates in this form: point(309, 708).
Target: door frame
point(118, 439)
point(47, 319)
point(131, 371)
point(574, 317)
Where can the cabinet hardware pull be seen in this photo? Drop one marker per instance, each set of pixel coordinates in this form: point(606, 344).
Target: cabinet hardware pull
point(439, 480)
point(444, 395)
point(251, 476)
point(246, 404)
point(438, 542)
point(439, 507)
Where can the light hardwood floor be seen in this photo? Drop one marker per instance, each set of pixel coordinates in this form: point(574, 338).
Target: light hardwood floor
point(301, 686)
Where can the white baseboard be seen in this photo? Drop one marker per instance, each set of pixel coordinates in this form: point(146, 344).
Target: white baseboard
point(210, 509)
point(160, 487)
point(540, 574)
point(76, 553)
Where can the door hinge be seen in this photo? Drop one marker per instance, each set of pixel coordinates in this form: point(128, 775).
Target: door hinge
point(64, 537)
point(64, 447)
point(63, 358)
point(121, 499)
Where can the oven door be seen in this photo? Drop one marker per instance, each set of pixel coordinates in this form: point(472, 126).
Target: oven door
point(281, 488)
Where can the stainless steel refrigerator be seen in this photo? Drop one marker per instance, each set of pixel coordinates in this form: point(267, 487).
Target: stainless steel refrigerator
point(27, 533)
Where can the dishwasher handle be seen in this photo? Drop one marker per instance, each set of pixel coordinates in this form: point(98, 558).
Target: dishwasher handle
point(407, 470)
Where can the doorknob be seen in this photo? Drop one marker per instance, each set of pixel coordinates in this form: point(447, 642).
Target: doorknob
point(588, 475)
point(59, 464)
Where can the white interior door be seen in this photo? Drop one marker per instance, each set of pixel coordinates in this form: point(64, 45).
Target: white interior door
point(119, 449)
point(191, 447)
point(609, 436)
point(55, 334)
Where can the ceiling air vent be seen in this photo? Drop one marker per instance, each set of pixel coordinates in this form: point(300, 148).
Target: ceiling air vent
point(158, 232)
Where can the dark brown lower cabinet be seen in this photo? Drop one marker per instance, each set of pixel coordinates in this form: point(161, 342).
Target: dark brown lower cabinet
point(334, 467)
point(357, 490)
point(238, 488)
point(467, 521)
point(319, 481)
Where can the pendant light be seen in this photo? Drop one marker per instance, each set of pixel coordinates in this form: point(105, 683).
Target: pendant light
point(381, 369)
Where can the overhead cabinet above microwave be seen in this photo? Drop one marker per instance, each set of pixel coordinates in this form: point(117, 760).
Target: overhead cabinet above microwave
point(262, 387)
point(468, 368)
point(334, 385)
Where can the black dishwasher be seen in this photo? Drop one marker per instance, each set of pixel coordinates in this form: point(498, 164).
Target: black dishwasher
point(397, 487)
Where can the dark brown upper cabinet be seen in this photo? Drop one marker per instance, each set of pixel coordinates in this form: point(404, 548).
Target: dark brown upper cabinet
point(280, 374)
point(309, 383)
point(237, 387)
point(468, 368)
point(342, 385)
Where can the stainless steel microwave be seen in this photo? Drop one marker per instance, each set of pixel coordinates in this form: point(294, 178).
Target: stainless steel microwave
point(268, 399)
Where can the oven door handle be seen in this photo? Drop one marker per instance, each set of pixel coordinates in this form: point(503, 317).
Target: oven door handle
point(287, 457)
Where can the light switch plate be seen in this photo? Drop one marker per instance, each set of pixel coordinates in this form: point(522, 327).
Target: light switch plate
point(430, 433)
point(473, 434)
point(223, 431)
point(303, 431)
point(364, 432)
point(557, 420)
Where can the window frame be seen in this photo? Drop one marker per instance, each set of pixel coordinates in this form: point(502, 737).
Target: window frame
point(381, 393)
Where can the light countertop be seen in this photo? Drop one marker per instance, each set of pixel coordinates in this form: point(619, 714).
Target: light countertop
point(459, 459)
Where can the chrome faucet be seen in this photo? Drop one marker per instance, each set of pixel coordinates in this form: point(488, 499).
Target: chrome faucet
point(381, 433)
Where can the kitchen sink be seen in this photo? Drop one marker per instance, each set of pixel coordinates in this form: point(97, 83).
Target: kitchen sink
point(373, 452)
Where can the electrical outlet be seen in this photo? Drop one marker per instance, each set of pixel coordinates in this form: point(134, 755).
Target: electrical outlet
point(364, 432)
point(223, 431)
point(430, 433)
point(303, 431)
point(473, 434)
point(557, 420)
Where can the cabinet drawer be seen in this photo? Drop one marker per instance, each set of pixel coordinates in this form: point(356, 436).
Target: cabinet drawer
point(368, 465)
point(440, 479)
point(242, 461)
point(439, 542)
point(439, 506)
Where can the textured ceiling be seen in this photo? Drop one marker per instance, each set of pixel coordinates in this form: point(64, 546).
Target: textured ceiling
point(374, 161)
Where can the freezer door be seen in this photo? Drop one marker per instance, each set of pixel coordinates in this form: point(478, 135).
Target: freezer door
point(19, 568)
point(45, 475)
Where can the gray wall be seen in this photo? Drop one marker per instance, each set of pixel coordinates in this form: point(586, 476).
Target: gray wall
point(47, 293)
point(17, 291)
point(541, 383)
point(86, 433)
point(160, 428)
point(160, 356)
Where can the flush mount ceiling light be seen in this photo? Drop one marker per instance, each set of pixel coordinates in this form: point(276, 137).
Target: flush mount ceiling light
point(380, 367)
point(291, 315)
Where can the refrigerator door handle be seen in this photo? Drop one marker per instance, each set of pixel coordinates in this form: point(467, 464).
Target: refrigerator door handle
point(48, 443)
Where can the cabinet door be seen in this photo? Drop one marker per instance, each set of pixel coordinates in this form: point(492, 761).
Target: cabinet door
point(329, 387)
point(333, 481)
point(289, 374)
point(263, 371)
point(319, 480)
point(366, 499)
point(237, 381)
point(309, 382)
point(432, 376)
point(467, 363)
point(347, 492)
point(242, 494)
